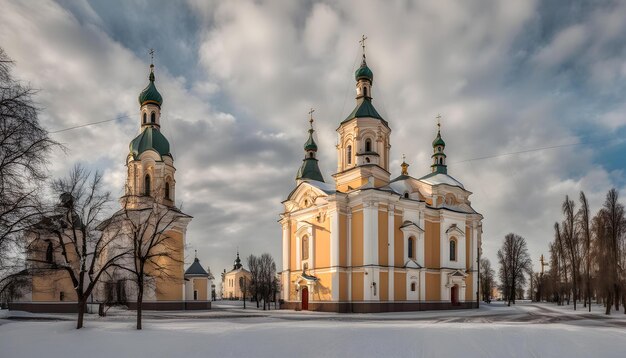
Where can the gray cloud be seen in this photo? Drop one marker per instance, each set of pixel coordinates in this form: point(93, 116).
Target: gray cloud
point(238, 78)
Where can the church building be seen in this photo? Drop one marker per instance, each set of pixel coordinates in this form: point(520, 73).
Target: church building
point(362, 241)
point(149, 203)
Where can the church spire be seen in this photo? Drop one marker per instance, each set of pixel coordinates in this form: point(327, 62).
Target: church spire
point(309, 168)
point(237, 264)
point(364, 77)
point(439, 157)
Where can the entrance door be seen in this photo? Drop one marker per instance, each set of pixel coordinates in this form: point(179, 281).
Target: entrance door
point(454, 295)
point(305, 298)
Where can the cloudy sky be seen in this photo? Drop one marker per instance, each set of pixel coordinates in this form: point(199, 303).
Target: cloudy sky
point(238, 78)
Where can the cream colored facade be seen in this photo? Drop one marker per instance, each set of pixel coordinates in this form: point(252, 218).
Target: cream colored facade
point(369, 243)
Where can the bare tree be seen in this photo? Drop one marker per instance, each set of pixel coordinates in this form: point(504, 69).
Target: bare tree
point(255, 284)
point(584, 226)
point(155, 252)
point(71, 239)
point(572, 243)
point(514, 264)
point(487, 279)
point(563, 262)
point(24, 150)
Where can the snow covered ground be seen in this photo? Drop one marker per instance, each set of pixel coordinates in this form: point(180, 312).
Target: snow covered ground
point(526, 330)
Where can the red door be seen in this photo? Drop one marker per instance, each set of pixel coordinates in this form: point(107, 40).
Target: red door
point(305, 298)
point(454, 295)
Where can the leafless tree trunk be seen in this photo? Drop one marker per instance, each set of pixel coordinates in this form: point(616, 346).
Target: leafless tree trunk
point(75, 231)
point(487, 275)
point(154, 251)
point(514, 263)
point(572, 244)
point(585, 231)
point(24, 150)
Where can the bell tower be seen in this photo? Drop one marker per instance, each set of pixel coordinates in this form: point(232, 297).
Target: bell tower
point(439, 157)
point(363, 143)
point(150, 165)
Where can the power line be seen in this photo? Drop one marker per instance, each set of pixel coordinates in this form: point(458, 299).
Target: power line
point(533, 150)
point(90, 124)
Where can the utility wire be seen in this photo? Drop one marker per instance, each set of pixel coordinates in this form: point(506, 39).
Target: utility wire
point(90, 124)
point(534, 150)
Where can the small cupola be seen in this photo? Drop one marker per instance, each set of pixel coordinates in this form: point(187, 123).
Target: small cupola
point(309, 168)
point(439, 157)
point(150, 94)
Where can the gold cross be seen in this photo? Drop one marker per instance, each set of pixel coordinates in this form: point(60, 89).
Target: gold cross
point(403, 158)
point(151, 52)
point(438, 120)
point(311, 116)
point(362, 42)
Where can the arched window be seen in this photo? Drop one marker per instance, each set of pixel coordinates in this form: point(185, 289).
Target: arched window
point(152, 117)
point(413, 286)
point(364, 91)
point(412, 248)
point(310, 154)
point(453, 250)
point(145, 117)
point(440, 160)
point(146, 185)
point(406, 195)
point(61, 296)
point(49, 253)
point(367, 160)
point(349, 154)
point(167, 190)
point(305, 248)
point(368, 145)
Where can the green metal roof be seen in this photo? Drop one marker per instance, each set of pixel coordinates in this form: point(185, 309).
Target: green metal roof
point(150, 93)
point(196, 269)
point(364, 108)
point(310, 143)
point(364, 72)
point(150, 138)
point(309, 170)
point(438, 140)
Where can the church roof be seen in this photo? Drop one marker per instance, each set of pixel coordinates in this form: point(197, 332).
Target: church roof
point(150, 138)
point(196, 269)
point(310, 170)
point(440, 178)
point(364, 108)
point(150, 94)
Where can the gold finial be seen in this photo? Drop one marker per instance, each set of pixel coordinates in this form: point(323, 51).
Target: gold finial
point(438, 121)
point(405, 166)
point(362, 42)
point(151, 52)
point(311, 117)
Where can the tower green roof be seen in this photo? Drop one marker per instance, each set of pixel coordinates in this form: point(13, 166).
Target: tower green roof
point(364, 108)
point(150, 94)
point(150, 139)
point(310, 143)
point(364, 72)
point(309, 170)
point(438, 140)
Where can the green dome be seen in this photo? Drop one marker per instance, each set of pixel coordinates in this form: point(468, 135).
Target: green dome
point(364, 72)
point(150, 94)
point(310, 143)
point(438, 141)
point(150, 139)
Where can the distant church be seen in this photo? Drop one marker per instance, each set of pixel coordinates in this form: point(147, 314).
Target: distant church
point(365, 242)
point(150, 180)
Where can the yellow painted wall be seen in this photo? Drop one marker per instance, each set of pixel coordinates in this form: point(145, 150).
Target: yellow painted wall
point(468, 240)
point(48, 287)
point(433, 284)
point(383, 286)
point(343, 286)
point(398, 242)
point(357, 286)
point(322, 243)
point(357, 238)
point(292, 247)
point(432, 245)
point(383, 234)
point(343, 240)
point(469, 287)
point(200, 285)
point(169, 282)
point(323, 287)
point(399, 286)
